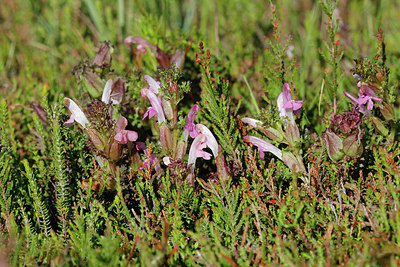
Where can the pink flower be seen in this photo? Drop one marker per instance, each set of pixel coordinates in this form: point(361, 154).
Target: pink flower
point(367, 95)
point(76, 113)
point(204, 139)
point(286, 105)
point(210, 139)
point(153, 85)
point(156, 106)
point(190, 127)
point(142, 44)
point(122, 135)
point(196, 150)
point(355, 101)
point(263, 146)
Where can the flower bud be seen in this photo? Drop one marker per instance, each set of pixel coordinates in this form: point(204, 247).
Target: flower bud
point(334, 145)
point(387, 111)
point(352, 145)
point(95, 138)
point(92, 84)
point(221, 166)
point(173, 87)
point(41, 112)
point(103, 56)
point(117, 91)
point(292, 133)
point(379, 126)
point(114, 151)
point(273, 134)
point(190, 179)
point(134, 157)
point(165, 137)
point(180, 150)
point(295, 163)
point(168, 111)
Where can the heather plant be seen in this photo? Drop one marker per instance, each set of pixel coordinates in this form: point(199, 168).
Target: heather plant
point(182, 133)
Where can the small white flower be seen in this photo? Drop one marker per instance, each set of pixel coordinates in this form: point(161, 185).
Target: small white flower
point(252, 122)
point(76, 113)
point(106, 98)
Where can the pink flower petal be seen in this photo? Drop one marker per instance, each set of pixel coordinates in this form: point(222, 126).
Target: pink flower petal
point(286, 92)
point(120, 138)
point(286, 105)
point(132, 135)
point(192, 114)
point(69, 122)
point(363, 99)
point(121, 124)
point(210, 139)
point(122, 135)
point(263, 146)
point(351, 97)
point(196, 150)
point(76, 113)
point(370, 104)
point(156, 106)
point(153, 85)
point(190, 127)
point(297, 105)
point(106, 97)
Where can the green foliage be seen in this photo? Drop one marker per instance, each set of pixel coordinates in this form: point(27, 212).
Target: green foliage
point(218, 105)
point(40, 209)
point(331, 53)
point(62, 181)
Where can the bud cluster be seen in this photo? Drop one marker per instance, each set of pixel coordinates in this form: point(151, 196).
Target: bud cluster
point(344, 135)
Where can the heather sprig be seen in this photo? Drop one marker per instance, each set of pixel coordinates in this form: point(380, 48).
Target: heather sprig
point(332, 52)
